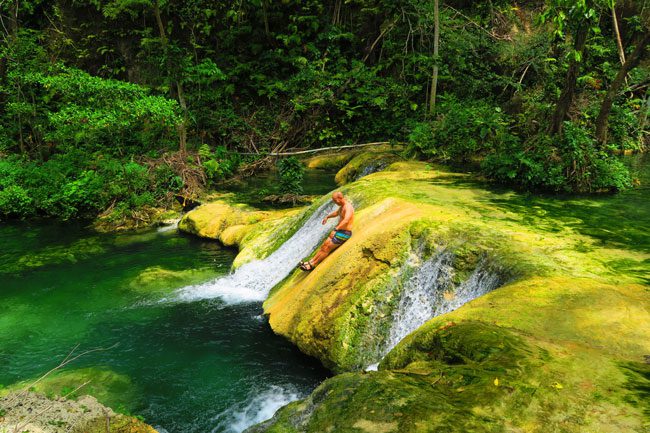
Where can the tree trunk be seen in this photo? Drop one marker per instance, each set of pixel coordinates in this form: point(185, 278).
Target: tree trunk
point(182, 127)
point(13, 19)
point(566, 97)
point(606, 106)
point(617, 34)
point(436, 42)
point(161, 27)
point(643, 118)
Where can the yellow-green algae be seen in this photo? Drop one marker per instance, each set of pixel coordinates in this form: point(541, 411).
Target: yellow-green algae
point(107, 386)
point(156, 279)
point(254, 232)
point(330, 161)
point(475, 377)
point(574, 319)
point(72, 253)
point(364, 163)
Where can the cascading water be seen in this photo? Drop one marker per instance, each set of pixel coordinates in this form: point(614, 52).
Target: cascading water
point(421, 292)
point(260, 406)
point(253, 281)
point(431, 292)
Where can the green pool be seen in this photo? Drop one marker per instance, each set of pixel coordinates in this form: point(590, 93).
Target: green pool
point(185, 367)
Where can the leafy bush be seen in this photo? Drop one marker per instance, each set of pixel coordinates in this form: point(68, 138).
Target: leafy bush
point(461, 131)
point(291, 173)
point(570, 163)
point(219, 164)
point(15, 202)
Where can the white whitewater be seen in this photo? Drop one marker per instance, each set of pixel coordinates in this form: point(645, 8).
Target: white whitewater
point(430, 292)
point(252, 281)
point(260, 406)
point(169, 227)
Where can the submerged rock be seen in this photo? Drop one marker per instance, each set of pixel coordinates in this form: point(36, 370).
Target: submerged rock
point(161, 280)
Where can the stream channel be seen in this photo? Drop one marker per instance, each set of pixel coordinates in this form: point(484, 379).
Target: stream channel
point(199, 365)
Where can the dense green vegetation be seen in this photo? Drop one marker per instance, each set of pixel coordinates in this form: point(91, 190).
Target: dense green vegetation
point(109, 106)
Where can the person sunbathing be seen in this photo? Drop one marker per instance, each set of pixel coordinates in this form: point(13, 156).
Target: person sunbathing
point(338, 236)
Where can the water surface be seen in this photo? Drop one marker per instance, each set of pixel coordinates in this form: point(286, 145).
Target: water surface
point(189, 366)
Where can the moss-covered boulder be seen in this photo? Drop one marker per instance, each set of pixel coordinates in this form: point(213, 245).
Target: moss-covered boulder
point(559, 346)
point(211, 219)
point(342, 311)
point(158, 280)
point(364, 164)
point(107, 386)
point(75, 401)
point(474, 376)
point(330, 161)
point(255, 233)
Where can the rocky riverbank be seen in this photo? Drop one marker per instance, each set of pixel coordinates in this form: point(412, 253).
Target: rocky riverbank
point(530, 324)
point(24, 411)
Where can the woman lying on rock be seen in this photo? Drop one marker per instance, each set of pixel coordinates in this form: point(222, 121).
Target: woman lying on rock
point(341, 233)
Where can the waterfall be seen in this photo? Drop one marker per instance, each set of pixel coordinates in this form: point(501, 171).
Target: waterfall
point(259, 406)
point(431, 292)
point(420, 295)
point(252, 281)
point(169, 227)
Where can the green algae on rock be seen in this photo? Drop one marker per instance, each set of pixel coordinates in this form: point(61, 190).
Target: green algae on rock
point(252, 231)
point(364, 164)
point(157, 279)
point(471, 376)
point(330, 161)
point(79, 250)
point(107, 386)
point(573, 316)
point(36, 413)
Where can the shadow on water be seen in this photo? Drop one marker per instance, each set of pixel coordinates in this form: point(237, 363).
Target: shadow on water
point(252, 190)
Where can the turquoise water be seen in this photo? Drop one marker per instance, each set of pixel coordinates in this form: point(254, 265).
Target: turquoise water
point(186, 367)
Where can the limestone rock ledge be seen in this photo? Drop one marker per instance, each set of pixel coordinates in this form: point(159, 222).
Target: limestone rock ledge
point(558, 347)
point(35, 413)
point(254, 232)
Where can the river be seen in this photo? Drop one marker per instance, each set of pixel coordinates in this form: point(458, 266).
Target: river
point(200, 365)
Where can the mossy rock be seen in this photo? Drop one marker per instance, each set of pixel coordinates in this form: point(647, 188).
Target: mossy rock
point(156, 279)
point(330, 161)
point(364, 164)
point(341, 311)
point(254, 232)
point(211, 219)
point(472, 376)
point(28, 411)
point(117, 424)
point(107, 386)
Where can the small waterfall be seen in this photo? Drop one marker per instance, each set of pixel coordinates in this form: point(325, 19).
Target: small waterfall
point(169, 227)
point(421, 295)
point(253, 281)
point(431, 292)
point(371, 168)
point(259, 407)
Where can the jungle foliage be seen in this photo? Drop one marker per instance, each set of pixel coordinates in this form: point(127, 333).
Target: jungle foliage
point(109, 105)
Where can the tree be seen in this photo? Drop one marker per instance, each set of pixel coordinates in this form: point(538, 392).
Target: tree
point(630, 63)
point(436, 42)
point(578, 19)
